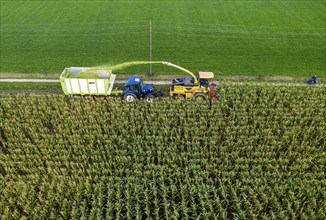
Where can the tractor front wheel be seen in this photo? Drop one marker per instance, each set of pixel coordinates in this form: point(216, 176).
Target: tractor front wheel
point(130, 97)
point(200, 97)
point(149, 98)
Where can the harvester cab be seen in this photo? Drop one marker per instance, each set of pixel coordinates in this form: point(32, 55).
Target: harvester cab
point(135, 89)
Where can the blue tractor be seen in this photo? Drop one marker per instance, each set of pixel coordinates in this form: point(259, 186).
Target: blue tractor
point(313, 80)
point(135, 89)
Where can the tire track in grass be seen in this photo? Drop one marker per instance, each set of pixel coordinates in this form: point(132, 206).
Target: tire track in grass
point(291, 12)
point(168, 30)
point(3, 21)
point(237, 37)
point(240, 30)
point(73, 29)
point(294, 13)
point(45, 32)
point(240, 26)
point(34, 11)
point(85, 34)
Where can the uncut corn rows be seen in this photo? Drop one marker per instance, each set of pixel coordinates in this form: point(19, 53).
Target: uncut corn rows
point(259, 154)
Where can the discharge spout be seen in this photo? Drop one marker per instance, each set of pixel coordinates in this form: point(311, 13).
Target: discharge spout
point(127, 64)
point(181, 68)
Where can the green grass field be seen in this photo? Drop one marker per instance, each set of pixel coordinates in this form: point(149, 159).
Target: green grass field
point(258, 38)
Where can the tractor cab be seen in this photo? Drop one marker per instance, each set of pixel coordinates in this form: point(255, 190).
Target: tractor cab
point(134, 85)
point(135, 89)
point(313, 80)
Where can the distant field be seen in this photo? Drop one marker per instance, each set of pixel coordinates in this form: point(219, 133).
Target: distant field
point(256, 38)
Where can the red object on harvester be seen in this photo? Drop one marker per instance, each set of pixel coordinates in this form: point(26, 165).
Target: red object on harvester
point(212, 86)
point(212, 94)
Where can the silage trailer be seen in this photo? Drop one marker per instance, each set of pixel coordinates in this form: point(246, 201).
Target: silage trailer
point(84, 81)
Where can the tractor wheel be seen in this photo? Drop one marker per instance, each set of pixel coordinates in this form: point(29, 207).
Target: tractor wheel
point(200, 97)
point(149, 98)
point(179, 98)
point(130, 97)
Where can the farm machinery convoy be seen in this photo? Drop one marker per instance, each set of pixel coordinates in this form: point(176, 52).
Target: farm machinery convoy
point(100, 81)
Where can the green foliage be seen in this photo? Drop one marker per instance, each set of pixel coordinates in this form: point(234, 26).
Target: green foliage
point(257, 38)
point(30, 87)
point(260, 154)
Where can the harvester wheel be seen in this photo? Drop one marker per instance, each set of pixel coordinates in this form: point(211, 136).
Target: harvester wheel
point(199, 96)
point(129, 97)
point(179, 98)
point(149, 98)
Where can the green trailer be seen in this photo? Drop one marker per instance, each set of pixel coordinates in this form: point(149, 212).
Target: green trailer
point(87, 81)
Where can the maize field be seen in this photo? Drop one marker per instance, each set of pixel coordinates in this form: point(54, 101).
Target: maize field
point(260, 154)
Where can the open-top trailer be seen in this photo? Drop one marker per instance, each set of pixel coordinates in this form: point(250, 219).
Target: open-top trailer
point(85, 81)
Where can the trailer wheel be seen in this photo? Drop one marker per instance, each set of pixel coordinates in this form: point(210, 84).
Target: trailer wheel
point(199, 96)
point(73, 99)
point(179, 98)
point(149, 98)
point(88, 98)
point(130, 97)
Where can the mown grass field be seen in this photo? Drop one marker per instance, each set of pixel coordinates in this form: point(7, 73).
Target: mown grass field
point(228, 37)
